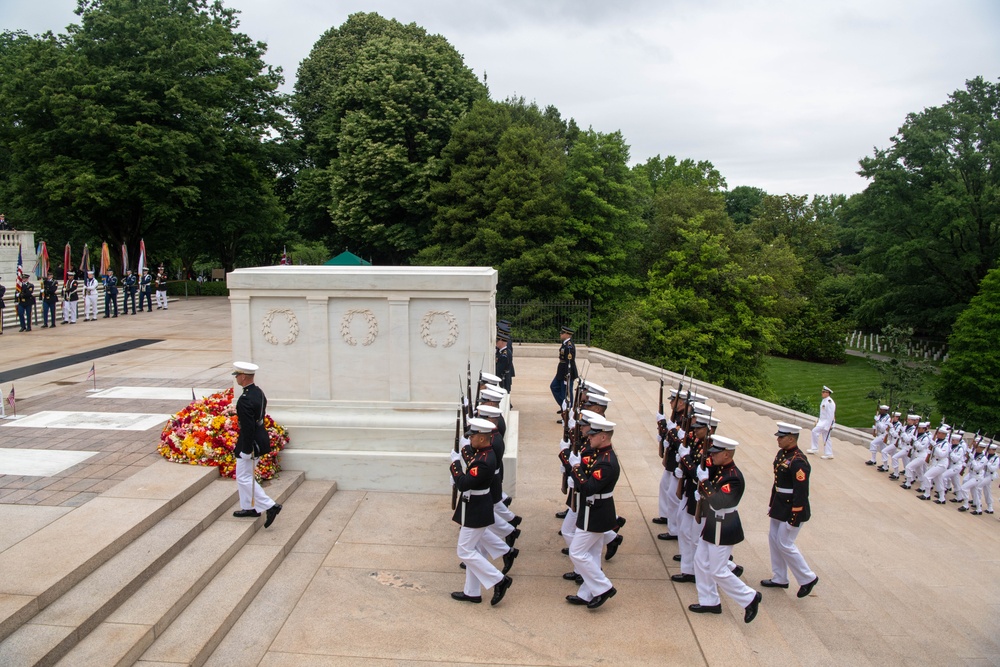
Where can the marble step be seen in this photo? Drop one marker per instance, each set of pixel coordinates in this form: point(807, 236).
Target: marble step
point(57, 628)
point(43, 566)
point(190, 604)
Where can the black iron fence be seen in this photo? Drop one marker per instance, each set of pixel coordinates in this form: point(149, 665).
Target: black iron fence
point(540, 321)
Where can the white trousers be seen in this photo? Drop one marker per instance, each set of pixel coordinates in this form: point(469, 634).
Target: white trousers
point(785, 555)
point(90, 307)
point(161, 299)
point(687, 540)
point(932, 478)
point(951, 477)
point(970, 491)
point(987, 494)
point(252, 496)
point(821, 435)
point(915, 468)
point(899, 461)
point(712, 572)
point(69, 311)
point(569, 529)
point(670, 503)
point(479, 571)
point(875, 446)
point(585, 552)
point(492, 545)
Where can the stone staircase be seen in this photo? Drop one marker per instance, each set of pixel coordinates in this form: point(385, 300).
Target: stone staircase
point(155, 570)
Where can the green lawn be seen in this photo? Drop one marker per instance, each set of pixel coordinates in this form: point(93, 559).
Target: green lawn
point(850, 383)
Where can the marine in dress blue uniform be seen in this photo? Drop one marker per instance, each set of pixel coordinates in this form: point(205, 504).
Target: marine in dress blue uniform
point(250, 408)
point(567, 365)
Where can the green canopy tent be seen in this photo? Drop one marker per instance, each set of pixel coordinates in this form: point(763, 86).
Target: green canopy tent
point(346, 258)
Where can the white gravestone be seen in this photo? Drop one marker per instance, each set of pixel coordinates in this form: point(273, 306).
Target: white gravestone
point(364, 364)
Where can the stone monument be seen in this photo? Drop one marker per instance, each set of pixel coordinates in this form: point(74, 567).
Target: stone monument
point(364, 365)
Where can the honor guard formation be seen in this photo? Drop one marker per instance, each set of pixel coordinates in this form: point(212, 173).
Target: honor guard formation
point(939, 462)
point(699, 494)
point(130, 287)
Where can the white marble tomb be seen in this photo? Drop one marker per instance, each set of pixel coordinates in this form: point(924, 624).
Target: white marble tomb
point(364, 365)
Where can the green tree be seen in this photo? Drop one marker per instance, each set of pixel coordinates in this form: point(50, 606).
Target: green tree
point(150, 119)
point(743, 203)
point(901, 380)
point(376, 101)
point(967, 389)
point(932, 212)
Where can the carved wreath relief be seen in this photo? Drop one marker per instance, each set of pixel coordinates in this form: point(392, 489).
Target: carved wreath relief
point(345, 326)
point(293, 326)
point(425, 328)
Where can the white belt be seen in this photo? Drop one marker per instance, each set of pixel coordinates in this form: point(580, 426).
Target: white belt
point(601, 496)
point(721, 513)
point(476, 492)
point(781, 490)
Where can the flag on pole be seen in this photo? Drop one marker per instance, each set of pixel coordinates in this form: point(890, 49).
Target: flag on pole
point(10, 398)
point(105, 258)
point(125, 265)
point(142, 256)
point(43, 260)
point(85, 260)
point(284, 256)
point(67, 261)
point(20, 271)
point(93, 371)
point(38, 261)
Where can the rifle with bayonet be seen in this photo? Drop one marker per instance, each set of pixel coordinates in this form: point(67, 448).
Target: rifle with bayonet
point(458, 437)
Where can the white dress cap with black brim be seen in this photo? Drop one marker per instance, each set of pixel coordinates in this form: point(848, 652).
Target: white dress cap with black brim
point(244, 368)
point(701, 408)
point(594, 388)
point(784, 428)
point(488, 378)
point(587, 415)
point(600, 424)
point(827, 389)
point(722, 443)
point(490, 395)
point(488, 411)
point(598, 399)
point(478, 425)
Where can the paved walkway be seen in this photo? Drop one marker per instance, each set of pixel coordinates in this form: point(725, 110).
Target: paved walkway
point(903, 582)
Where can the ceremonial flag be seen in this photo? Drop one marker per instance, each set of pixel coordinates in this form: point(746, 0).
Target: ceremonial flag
point(93, 371)
point(284, 255)
point(20, 270)
point(105, 258)
point(85, 261)
point(38, 260)
point(43, 260)
point(10, 398)
point(67, 261)
point(142, 256)
point(124, 258)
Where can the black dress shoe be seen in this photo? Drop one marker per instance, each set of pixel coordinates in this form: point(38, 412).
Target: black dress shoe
point(677, 557)
point(244, 514)
point(904, 485)
point(893, 476)
point(662, 520)
point(621, 522)
point(559, 421)
point(512, 537)
point(666, 536)
point(613, 547)
point(924, 497)
point(271, 513)
point(963, 509)
point(955, 500)
point(462, 565)
point(706, 608)
point(500, 590)
point(767, 583)
point(508, 560)
point(682, 578)
point(507, 501)
point(939, 502)
point(516, 521)
point(751, 609)
point(565, 551)
point(882, 469)
point(869, 463)
point(561, 515)
point(602, 598)
point(807, 588)
point(570, 576)
point(738, 570)
point(976, 512)
point(462, 597)
point(573, 599)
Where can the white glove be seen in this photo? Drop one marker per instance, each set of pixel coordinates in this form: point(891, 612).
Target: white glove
point(564, 444)
point(660, 442)
point(683, 451)
point(574, 459)
point(702, 473)
point(465, 401)
point(697, 496)
point(565, 404)
point(659, 417)
point(455, 456)
point(463, 442)
point(678, 473)
point(572, 423)
point(671, 425)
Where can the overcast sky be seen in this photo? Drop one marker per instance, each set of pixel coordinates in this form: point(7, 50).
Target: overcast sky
point(784, 95)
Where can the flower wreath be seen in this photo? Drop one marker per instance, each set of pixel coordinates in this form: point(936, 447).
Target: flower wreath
point(205, 432)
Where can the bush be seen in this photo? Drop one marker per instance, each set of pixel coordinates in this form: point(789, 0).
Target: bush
point(194, 288)
point(797, 403)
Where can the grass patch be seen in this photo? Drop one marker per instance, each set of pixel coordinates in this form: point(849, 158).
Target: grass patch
point(850, 381)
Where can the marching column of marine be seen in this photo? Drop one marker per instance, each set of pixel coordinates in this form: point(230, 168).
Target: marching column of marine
point(699, 494)
point(86, 283)
point(939, 462)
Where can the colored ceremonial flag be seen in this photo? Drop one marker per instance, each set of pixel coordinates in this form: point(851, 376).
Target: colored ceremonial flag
point(85, 261)
point(43, 260)
point(67, 261)
point(38, 260)
point(20, 270)
point(124, 258)
point(10, 398)
point(93, 371)
point(142, 256)
point(284, 256)
point(105, 258)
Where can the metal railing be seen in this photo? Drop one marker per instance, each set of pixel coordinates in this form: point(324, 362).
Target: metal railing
point(540, 321)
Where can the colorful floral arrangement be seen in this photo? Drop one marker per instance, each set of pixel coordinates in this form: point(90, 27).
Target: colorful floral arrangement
point(205, 432)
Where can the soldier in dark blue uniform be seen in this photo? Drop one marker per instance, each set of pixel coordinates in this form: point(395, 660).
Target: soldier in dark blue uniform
point(720, 488)
point(3, 290)
point(789, 510)
point(250, 408)
point(474, 513)
point(110, 294)
point(25, 299)
point(503, 326)
point(567, 365)
point(594, 479)
point(50, 297)
point(504, 364)
point(146, 290)
point(129, 282)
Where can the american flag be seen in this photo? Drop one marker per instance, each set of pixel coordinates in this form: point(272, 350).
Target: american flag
point(20, 271)
point(93, 371)
point(10, 397)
